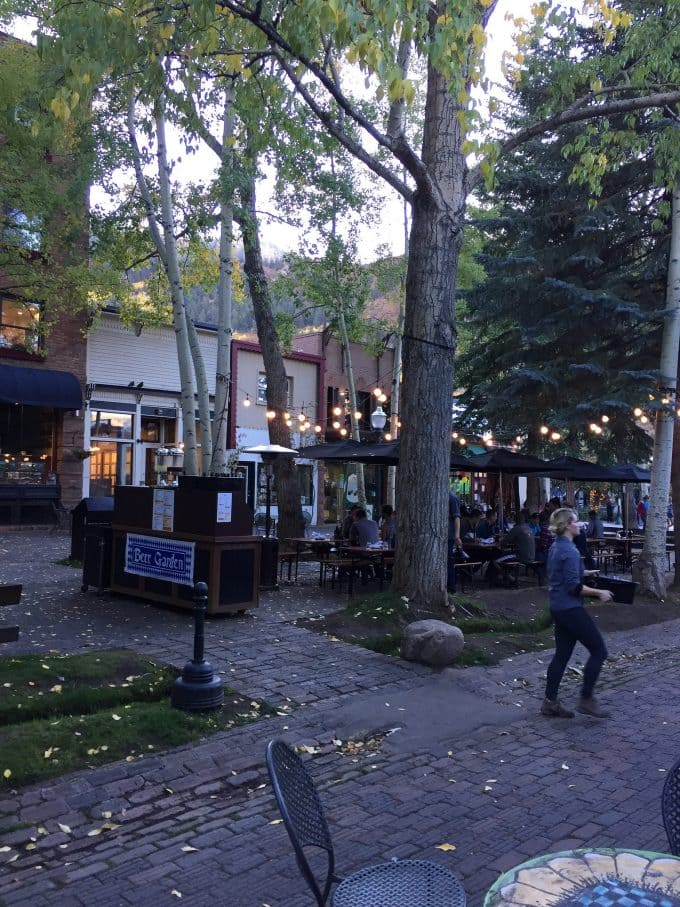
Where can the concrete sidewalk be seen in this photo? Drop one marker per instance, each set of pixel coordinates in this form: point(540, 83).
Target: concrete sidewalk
point(466, 761)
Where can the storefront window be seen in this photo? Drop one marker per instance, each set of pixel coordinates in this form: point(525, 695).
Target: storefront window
point(261, 397)
point(110, 465)
point(306, 479)
point(25, 444)
point(19, 322)
point(111, 425)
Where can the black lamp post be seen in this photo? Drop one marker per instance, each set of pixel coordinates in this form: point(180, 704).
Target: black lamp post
point(269, 564)
point(198, 689)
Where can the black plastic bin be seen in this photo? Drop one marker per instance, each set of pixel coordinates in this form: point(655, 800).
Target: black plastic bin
point(90, 510)
point(97, 556)
point(623, 590)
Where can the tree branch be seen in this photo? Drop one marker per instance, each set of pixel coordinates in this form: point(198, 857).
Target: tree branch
point(142, 183)
point(576, 113)
point(349, 143)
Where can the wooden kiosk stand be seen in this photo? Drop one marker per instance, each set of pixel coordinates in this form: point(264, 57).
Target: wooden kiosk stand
point(210, 517)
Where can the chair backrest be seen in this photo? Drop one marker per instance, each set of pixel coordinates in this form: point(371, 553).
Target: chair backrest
point(302, 813)
point(670, 808)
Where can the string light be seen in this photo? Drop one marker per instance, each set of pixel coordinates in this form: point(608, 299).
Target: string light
point(337, 411)
point(462, 441)
point(377, 391)
point(637, 412)
point(247, 401)
point(388, 436)
point(317, 429)
point(357, 415)
point(336, 425)
point(644, 420)
point(271, 414)
point(605, 419)
point(343, 432)
point(555, 436)
point(544, 429)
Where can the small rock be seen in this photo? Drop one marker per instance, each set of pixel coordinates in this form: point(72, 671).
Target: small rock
point(432, 642)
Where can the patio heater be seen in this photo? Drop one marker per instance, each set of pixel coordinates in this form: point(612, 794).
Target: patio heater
point(269, 564)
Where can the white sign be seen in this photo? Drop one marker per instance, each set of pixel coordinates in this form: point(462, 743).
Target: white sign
point(163, 516)
point(166, 559)
point(224, 499)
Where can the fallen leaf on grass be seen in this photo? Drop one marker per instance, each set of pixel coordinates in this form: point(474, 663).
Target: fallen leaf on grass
point(7, 773)
point(189, 849)
point(276, 821)
point(177, 894)
point(107, 826)
point(565, 766)
point(445, 847)
point(116, 717)
point(5, 849)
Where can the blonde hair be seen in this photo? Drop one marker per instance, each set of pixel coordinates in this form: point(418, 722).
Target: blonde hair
point(560, 519)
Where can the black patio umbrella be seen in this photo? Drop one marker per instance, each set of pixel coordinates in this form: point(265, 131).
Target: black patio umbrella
point(629, 472)
point(501, 460)
point(578, 470)
point(380, 454)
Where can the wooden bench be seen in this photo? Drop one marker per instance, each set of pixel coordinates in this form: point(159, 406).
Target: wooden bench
point(18, 498)
point(9, 595)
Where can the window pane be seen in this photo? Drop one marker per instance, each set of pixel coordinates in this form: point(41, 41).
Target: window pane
point(111, 425)
point(261, 396)
point(19, 325)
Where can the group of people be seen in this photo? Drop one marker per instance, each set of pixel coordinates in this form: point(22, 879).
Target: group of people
point(358, 530)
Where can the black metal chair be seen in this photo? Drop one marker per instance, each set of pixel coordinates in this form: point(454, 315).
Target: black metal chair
point(417, 883)
point(670, 808)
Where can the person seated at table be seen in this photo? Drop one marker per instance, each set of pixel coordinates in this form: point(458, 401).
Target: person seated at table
point(388, 525)
point(533, 524)
point(363, 531)
point(486, 527)
point(545, 538)
point(595, 527)
point(521, 539)
point(349, 521)
point(468, 524)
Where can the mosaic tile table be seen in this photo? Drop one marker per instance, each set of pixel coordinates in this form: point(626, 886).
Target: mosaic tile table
point(590, 878)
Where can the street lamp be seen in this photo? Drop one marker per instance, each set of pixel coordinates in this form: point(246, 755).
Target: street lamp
point(378, 418)
point(269, 567)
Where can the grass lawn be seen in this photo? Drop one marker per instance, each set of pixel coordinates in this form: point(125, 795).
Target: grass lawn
point(60, 713)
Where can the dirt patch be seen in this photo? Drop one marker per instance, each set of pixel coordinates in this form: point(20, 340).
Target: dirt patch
point(500, 609)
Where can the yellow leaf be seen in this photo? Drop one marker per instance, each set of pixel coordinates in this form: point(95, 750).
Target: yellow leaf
point(31, 846)
point(116, 717)
point(7, 773)
point(276, 821)
point(189, 849)
point(47, 667)
point(445, 847)
point(57, 688)
point(64, 828)
point(48, 752)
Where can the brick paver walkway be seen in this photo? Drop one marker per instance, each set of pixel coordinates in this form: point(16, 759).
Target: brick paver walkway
point(200, 821)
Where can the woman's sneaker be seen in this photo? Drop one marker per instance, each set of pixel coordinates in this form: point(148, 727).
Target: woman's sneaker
point(553, 708)
point(592, 707)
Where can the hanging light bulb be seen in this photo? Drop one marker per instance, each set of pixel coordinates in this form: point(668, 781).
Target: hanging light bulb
point(454, 434)
point(555, 436)
point(317, 429)
point(462, 441)
point(644, 420)
point(518, 439)
point(337, 411)
point(544, 429)
point(377, 391)
point(343, 432)
point(271, 414)
point(246, 402)
point(388, 436)
point(605, 419)
point(336, 425)
point(382, 398)
point(357, 415)
point(302, 417)
point(593, 427)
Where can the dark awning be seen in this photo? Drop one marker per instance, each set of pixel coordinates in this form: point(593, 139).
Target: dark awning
point(39, 387)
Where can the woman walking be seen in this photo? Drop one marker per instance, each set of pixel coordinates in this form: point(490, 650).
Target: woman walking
point(572, 622)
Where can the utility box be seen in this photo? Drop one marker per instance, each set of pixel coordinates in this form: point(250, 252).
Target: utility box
point(88, 511)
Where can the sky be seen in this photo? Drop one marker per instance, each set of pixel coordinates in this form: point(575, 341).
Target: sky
point(388, 229)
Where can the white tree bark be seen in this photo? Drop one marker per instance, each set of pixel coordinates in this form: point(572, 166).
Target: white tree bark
point(218, 465)
point(650, 568)
point(164, 240)
point(396, 375)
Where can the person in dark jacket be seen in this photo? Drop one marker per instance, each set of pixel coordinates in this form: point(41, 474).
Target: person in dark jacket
point(572, 622)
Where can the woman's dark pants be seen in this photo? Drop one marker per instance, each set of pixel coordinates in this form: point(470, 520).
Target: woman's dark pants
point(572, 626)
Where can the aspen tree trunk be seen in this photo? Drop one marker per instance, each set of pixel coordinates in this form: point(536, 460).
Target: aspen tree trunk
point(429, 353)
point(290, 520)
point(650, 568)
point(675, 491)
point(351, 386)
point(223, 396)
point(167, 252)
point(202, 394)
point(396, 376)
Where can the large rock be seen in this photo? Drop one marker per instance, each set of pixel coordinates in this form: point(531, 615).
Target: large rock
point(432, 642)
